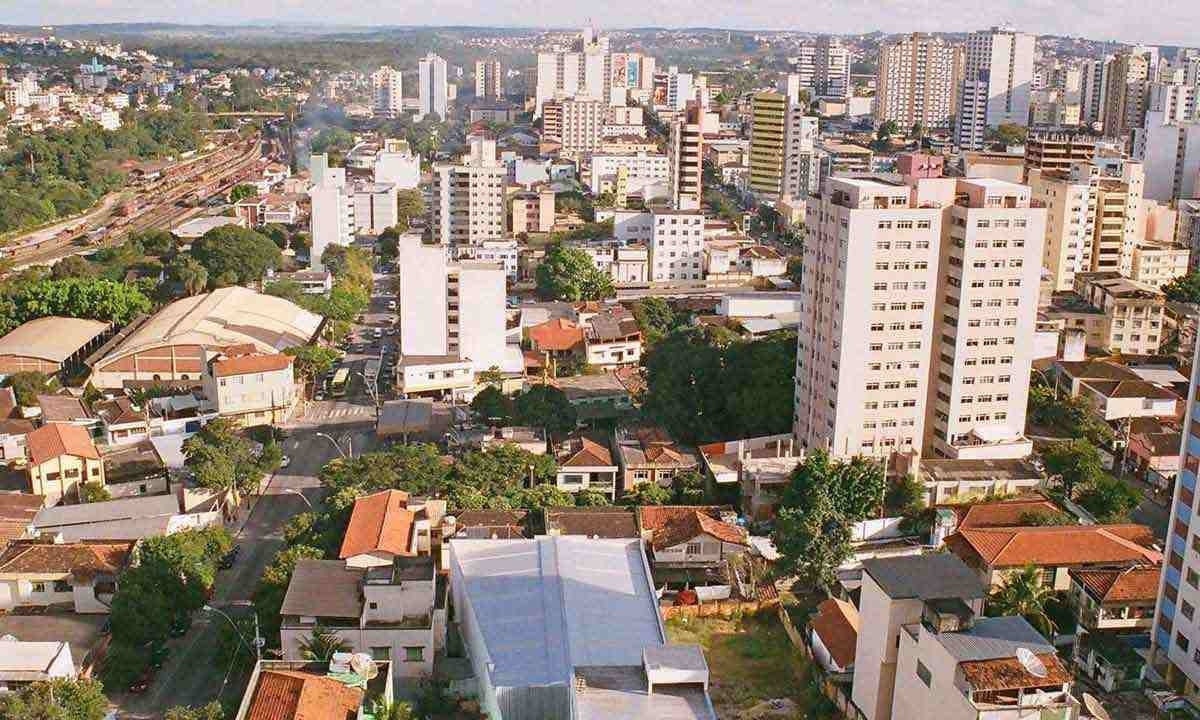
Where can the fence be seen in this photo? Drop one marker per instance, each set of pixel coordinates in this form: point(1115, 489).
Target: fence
point(719, 608)
point(837, 692)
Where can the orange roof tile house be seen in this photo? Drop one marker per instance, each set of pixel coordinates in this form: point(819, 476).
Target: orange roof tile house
point(61, 458)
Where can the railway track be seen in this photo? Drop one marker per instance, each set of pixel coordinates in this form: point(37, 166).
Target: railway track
point(158, 207)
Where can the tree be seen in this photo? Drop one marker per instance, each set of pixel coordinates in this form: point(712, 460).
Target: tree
point(311, 361)
point(1185, 288)
point(540, 497)
point(492, 405)
point(273, 585)
point(690, 488)
point(242, 191)
point(89, 298)
point(321, 645)
point(27, 385)
point(491, 376)
point(222, 461)
point(1076, 462)
point(545, 406)
point(392, 711)
point(1011, 134)
point(58, 699)
point(655, 317)
point(235, 255)
point(568, 273)
point(647, 493)
point(812, 541)
point(190, 274)
point(591, 498)
point(1038, 518)
point(905, 495)
point(211, 711)
point(1024, 594)
point(72, 266)
point(409, 205)
point(289, 290)
point(416, 469)
point(90, 492)
point(1109, 499)
point(856, 487)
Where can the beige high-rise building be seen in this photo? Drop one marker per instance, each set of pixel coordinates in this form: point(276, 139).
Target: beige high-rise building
point(1119, 224)
point(468, 205)
point(1125, 93)
point(920, 304)
point(581, 125)
point(489, 80)
point(686, 158)
point(918, 82)
point(389, 95)
point(1069, 197)
point(768, 134)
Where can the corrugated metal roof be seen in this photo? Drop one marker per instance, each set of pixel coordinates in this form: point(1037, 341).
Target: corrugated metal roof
point(992, 638)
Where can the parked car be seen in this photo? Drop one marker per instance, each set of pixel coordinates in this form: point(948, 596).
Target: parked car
point(142, 684)
point(285, 461)
point(391, 305)
point(230, 558)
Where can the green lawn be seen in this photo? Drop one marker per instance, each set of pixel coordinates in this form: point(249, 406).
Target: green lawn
point(750, 660)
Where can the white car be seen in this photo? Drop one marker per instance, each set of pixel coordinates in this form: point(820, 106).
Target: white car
point(284, 462)
point(391, 305)
point(378, 333)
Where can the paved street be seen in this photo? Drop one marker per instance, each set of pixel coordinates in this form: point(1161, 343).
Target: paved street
point(192, 675)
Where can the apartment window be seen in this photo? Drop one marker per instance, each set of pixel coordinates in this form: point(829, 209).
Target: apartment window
point(381, 654)
point(876, 347)
point(1181, 641)
point(414, 654)
point(925, 676)
point(1186, 609)
point(37, 587)
point(1192, 578)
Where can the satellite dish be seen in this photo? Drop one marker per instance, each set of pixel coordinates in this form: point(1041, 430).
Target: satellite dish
point(1032, 663)
point(359, 662)
point(1094, 708)
point(9, 638)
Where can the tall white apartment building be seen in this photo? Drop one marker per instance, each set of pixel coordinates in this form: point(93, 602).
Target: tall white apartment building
point(451, 315)
point(1125, 93)
point(395, 163)
point(582, 122)
point(918, 82)
point(679, 89)
point(1170, 152)
point(467, 204)
point(676, 242)
point(374, 207)
point(432, 90)
point(582, 72)
point(389, 96)
point(801, 165)
point(822, 68)
point(1092, 85)
point(1069, 197)
point(489, 80)
point(686, 153)
point(1175, 101)
point(880, 367)
point(331, 219)
point(996, 83)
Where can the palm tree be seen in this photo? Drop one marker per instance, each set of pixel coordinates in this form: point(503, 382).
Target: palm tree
point(191, 274)
point(1024, 594)
point(321, 645)
point(392, 711)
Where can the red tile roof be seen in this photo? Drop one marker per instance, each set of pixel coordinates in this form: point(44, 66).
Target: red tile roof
point(586, 452)
point(558, 334)
point(671, 525)
point(292, 695)
point(379, 522)
point(244, 364)
point(83, 560)
point(1132, 584)
point(57, 439)
point(1056, 546)
point(836, 622)
point(1002, 513)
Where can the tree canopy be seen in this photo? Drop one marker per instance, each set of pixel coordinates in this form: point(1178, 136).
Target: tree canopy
point(703, 385)
point(545, 406)
point(88, 298)
point(222, 460)
point(1076, 462)
point(568, 273)
point(1185, 288)
point(235, 255)
point(59, 699)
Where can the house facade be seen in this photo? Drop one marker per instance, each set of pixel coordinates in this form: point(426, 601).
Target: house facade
point(62, 457)
point(43, 573)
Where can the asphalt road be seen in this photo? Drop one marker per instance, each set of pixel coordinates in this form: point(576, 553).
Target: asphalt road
point(192, 675)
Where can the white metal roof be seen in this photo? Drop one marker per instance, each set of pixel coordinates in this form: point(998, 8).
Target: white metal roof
point(548, 605)
point(52, 338)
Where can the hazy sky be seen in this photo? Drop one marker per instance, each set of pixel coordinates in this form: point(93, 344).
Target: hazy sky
point(1175, 22)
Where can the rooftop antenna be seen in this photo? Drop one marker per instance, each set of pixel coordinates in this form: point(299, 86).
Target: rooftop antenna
point(1032, 663)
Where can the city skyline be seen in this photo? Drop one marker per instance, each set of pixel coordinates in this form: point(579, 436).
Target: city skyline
point(1158, 21)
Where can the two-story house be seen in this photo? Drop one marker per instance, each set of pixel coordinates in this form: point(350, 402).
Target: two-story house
point(1116, 613)
point(612, 338)
point(46, 572)
point(121, 421)
point(62, 458)
point(250, 387)
point(382, 595)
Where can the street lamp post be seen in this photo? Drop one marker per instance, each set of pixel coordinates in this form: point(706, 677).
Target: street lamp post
point(258, 639)
point(297, 493)
point(335, 444)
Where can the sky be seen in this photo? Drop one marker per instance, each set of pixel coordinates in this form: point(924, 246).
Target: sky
point(1167, 22)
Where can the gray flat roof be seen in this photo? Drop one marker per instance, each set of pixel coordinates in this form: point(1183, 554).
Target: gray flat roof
point(992, 638)
point(122, 509)
point(925, 577)
point(552, 604)
point(620, 693)
point(323, 588)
